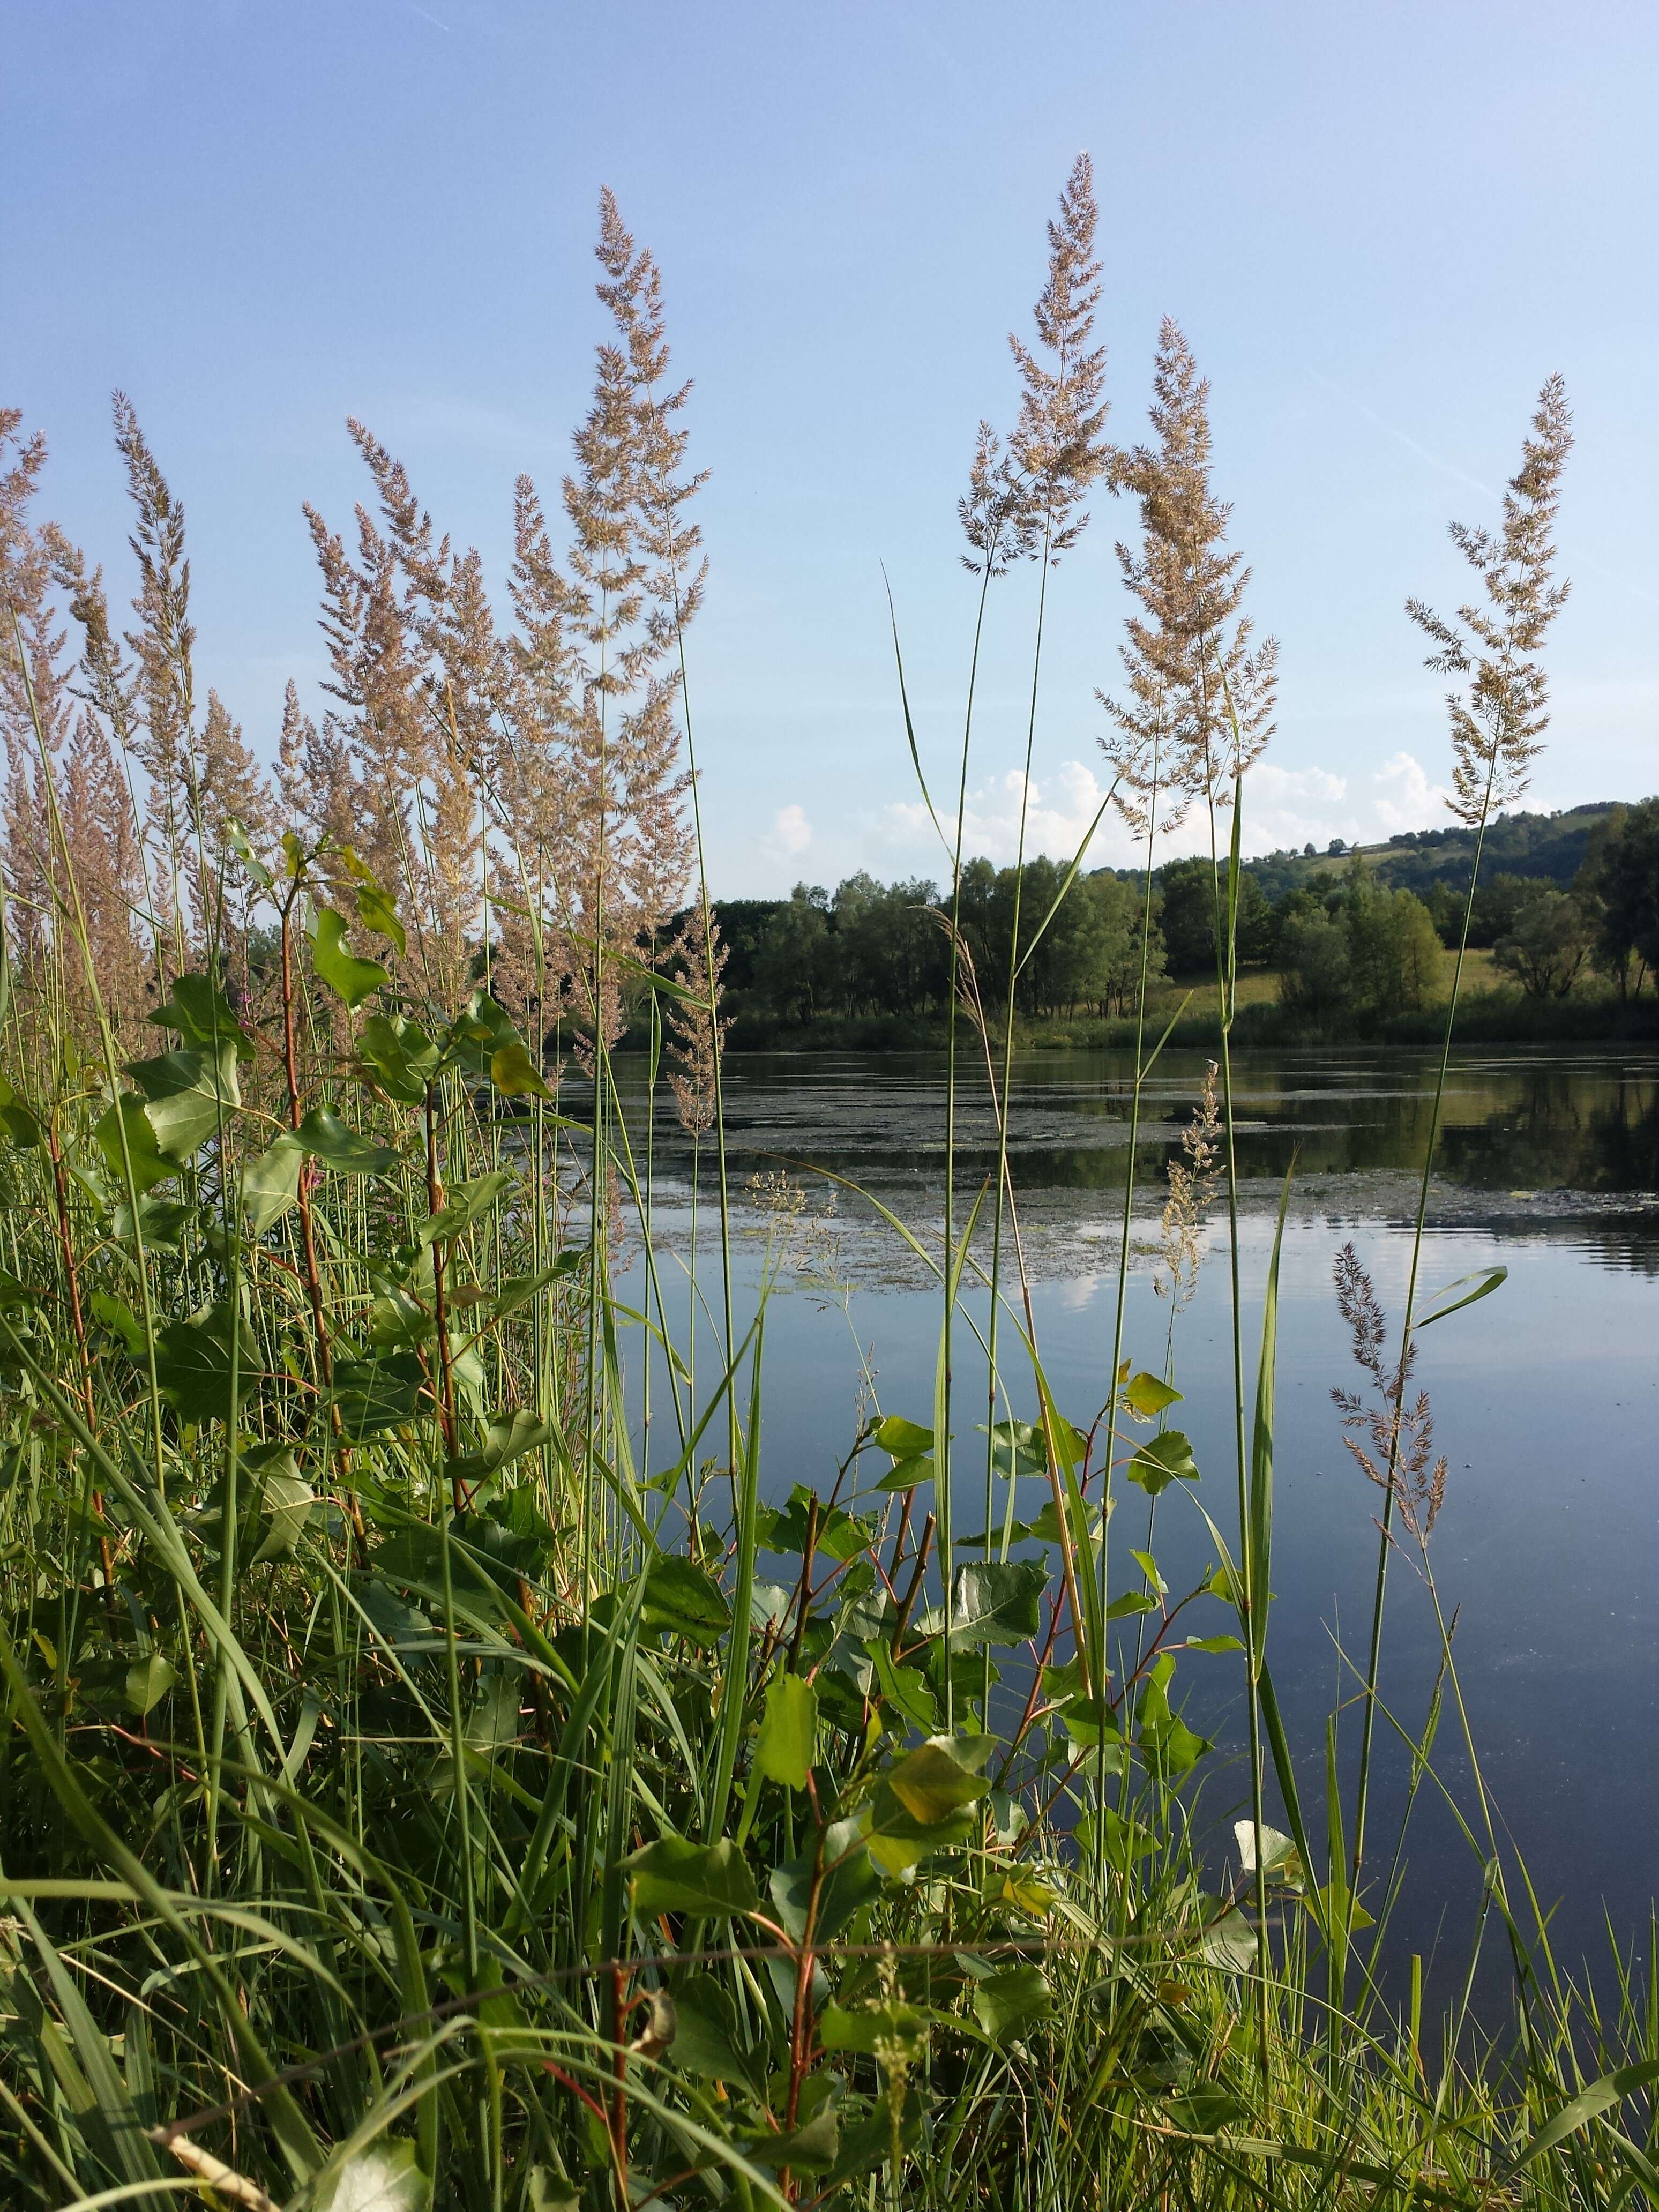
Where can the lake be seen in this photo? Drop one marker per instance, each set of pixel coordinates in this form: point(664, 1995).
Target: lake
point(1546, 1395)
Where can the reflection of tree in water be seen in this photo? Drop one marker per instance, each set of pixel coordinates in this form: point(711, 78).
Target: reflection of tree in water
point(1529, 1123)
point(1559, 1129)
point(1624, 1241)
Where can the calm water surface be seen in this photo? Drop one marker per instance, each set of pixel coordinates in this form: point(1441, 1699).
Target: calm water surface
point(1546, 1395)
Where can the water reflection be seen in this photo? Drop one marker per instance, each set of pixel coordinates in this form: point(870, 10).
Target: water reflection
point(1585, 1122)
point(1547, 1396)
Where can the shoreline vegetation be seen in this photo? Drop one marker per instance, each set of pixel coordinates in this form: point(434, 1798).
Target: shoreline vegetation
point(1348, 946)
point(448, 1765)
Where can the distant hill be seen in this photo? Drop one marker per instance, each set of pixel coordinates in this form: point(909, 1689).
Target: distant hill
point(1549, 845)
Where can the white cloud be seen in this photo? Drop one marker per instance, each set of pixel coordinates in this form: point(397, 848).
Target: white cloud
point(1407, 799)
point(1296, 806)
point(1288, 806)
point(1060, 809)
point(1283, 806)
point(791, 832)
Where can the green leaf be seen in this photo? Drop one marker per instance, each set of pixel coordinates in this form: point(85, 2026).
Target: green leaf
point(1014, 1888)
point(895, 2033)
point(1485, 1282)
point(811, 2149)
point(463, 1203)
point(376, 912)
point(837, 1534)
point(201, 1013)
point(1046, 1528)
point(123, 1133)
point(15, 1118)
point(148, 1681)
point(545, 2192)
point(706, 2037)
point(1147, 1395)
point(192, 1365)
point(1335, 1907)
point(518, 1290)
point(121, 1321)
point(1206, 2111)
point(510, 1436)
point(402, 1058)
point(1281, 1863)
point(787, 1742)
point(941, 1776)
point(375, 1394)
point(285, 1498)
point(187, 1098)
point(906, 1474)
point(515, 1075)
point(681, 1598)
point(1022, 1447)
point(1007, 2003)
point(868, 2144)
point(902, 1439)
point(674, 1875)
point(270, 1183)
point(346, 975)
point(1602, 2096)
point(993, 1602)
point(1161, 1460)
point(849, 1883)
point(396, 1317)
point(1230, 1942)
point(904, 1688)
point(160, 1224)
point(324, 1136)
point(1131, 1601)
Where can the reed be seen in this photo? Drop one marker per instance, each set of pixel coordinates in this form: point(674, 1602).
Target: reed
point(417, 1789)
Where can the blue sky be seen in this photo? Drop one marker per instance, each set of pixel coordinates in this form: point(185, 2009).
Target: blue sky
point(1381, 227)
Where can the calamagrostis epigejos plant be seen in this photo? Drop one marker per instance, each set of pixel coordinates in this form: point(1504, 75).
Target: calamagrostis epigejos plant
point(1024, 501)
point(1498, 713)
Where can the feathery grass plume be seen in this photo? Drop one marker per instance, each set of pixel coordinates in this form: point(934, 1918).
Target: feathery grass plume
point(1498, 719)
point(230, 792)
point(1193, 1183)
point(314, 777)
point(1401, 1436)
point(102, 856)
point(375, 682)
point(625, 503)
point(90, 835)
point(995, 512)
point(697, 1032)
point(415, 802)
point(1196, 689)
point(165, 690)
point(1499, 715)
point(1058, 446)
point(30, 646)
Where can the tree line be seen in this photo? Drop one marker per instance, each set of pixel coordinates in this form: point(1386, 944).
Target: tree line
point(1350, 948)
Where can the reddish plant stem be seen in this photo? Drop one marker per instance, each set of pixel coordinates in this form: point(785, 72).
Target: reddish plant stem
point(907, 1604)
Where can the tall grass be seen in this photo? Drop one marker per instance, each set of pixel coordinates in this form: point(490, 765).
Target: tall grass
point(428, 1782)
